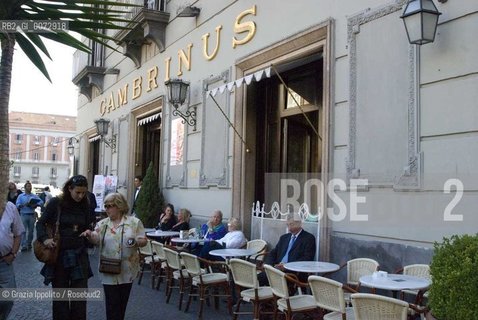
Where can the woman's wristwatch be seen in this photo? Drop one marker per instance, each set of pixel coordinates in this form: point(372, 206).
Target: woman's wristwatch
point(13, 254)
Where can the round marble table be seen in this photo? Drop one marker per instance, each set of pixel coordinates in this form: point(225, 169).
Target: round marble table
point(232, 253)
point(394, 282)
point(311, 266)
point(158, 234)
point(190, 240)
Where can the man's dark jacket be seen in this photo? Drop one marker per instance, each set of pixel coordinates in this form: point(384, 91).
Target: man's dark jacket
point(303, 248)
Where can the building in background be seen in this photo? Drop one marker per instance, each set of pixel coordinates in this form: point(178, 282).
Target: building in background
point(277, 89)
point(39, 148)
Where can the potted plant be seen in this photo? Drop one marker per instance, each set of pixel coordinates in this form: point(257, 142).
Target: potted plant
point(454, 270)
point(150, 199)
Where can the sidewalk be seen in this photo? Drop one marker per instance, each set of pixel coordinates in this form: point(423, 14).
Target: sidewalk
point(144, 302)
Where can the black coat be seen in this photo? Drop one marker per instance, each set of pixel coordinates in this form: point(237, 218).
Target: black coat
point(303, 248)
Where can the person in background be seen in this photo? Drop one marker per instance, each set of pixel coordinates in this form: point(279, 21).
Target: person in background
point(72, 269)
point(184, 215)
point(167, 219)
point(138, 181)
point(119, 237)
point(234, 239)
point(13, 192)
point(26, 204)
point(45, 196)
point(296, 245)
point(11, 230)
point(214, 229)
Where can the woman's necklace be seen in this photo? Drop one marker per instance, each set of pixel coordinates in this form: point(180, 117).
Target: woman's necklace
point(116, 225)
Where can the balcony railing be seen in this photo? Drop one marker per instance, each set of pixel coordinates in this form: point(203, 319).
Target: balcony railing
point(148, 23)
point(157, 5)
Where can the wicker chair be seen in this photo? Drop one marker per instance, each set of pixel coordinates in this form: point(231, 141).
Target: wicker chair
point(204, 282)
point(159, 271)
point(417, 270)
point(329, 295)
point(244, 275)
point(175, 272)
point(285, 303)
point(260, 246)
point(355, 269)
point(147, 257)
point(375, 307)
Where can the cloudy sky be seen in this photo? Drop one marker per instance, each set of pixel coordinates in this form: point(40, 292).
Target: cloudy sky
point(32, 92)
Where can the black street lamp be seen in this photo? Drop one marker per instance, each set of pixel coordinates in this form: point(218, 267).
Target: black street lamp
point(421, 20)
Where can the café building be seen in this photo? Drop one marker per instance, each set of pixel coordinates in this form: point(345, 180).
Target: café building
point(363, 110)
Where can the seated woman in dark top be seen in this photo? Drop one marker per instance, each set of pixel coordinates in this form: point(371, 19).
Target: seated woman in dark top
point(167, 219)
point(183, 220)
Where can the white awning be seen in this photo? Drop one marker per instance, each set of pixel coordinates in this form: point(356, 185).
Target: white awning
point(257, 76)
point(149, 119)
point(94, 138)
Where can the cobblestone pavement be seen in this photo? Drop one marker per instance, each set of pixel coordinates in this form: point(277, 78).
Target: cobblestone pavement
point(144, 302)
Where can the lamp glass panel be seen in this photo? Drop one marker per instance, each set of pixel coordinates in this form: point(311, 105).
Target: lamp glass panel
point(430, 22)
point(183, 92)
point(414, 27)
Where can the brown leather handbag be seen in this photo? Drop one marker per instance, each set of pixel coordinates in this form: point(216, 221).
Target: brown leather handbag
point(46, 254)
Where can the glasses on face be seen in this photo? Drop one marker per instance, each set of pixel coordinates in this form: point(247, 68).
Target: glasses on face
point(109, 205)
point(79, 181)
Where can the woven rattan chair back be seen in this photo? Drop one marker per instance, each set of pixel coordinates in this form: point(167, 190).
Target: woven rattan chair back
point(375, 307)
point(328, 293)
point(277, 281)
point(244, 273)
point(418, 270)
point(158, 249)
point(172, 257)
point(360, 267)
point(259, 245)
point(191, 263)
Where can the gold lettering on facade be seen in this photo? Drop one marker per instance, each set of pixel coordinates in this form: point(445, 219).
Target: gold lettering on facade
point(123, 95)
point(183, 59)
point(103, 107)
point(152, 75)
point(167, 67)
point(247, 26)
point(110, 106)
point(205, 41)
point(245, 30)
point(137, 82)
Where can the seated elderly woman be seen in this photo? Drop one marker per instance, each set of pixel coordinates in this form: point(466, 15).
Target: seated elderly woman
point(234, 239)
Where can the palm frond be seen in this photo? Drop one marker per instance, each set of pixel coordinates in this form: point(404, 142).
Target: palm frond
point(32, 54)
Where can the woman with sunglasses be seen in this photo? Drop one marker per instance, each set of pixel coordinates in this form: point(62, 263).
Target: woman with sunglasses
point(119, 237)
point(72, 268)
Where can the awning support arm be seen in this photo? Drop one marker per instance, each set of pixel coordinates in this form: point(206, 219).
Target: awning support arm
point(230, 123)
point(296, 102)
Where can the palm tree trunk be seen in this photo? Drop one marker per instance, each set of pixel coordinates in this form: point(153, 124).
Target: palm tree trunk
point(6, 63)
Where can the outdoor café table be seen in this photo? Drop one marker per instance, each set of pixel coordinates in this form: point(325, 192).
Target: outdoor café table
point(394, 282)
point(190, 240)
point(158, 234)
point(311, 266)
point(232, 253)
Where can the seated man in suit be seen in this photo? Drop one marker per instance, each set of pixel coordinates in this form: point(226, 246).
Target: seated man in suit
point(297, 245)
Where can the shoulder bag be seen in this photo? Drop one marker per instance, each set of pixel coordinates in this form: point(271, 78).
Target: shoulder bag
point(111, 265)
point(46, 254)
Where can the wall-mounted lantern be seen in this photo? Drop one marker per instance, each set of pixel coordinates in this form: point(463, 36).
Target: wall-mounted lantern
point(177, 93)
point(421, 20)
point(102, 126)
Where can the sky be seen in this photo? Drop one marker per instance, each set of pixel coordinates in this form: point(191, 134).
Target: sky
point(32, 92)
